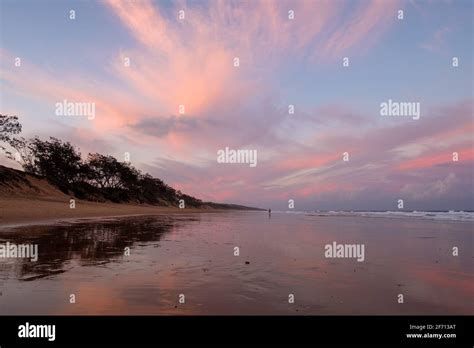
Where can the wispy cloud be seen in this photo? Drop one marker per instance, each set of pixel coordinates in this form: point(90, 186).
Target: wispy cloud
point(190, 63)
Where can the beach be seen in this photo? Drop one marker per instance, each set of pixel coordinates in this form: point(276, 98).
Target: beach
point(146, 264)
point(21, 211)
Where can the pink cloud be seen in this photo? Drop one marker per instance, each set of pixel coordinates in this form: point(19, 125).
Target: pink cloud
point(366, 24)
point(113, 108)
point(426, 161)
point(438, 41)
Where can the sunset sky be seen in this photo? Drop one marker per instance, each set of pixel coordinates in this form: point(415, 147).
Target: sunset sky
point(283, 61)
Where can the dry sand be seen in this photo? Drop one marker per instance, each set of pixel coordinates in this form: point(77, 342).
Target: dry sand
point(29, 199)
point(19, 210)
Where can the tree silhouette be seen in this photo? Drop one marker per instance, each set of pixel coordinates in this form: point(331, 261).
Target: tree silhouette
point(9, 125)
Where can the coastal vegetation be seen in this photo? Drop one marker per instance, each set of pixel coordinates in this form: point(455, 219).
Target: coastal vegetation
point(95, 177)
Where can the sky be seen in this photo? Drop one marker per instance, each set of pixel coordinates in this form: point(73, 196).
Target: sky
point(289, 53)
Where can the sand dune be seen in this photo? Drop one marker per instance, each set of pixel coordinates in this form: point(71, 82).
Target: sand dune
point(26, 198)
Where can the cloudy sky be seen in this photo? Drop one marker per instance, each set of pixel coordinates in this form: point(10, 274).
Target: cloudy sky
point(282, 61)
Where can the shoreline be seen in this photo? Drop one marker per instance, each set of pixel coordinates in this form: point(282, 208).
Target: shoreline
point(22, 211)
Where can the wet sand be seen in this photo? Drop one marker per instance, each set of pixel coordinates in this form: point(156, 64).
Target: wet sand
point(194, 255)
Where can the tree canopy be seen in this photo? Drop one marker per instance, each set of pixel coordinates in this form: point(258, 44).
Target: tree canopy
point(97, 177)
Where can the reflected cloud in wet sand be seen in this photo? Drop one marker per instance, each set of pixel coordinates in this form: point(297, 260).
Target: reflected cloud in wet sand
point(193, 254)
